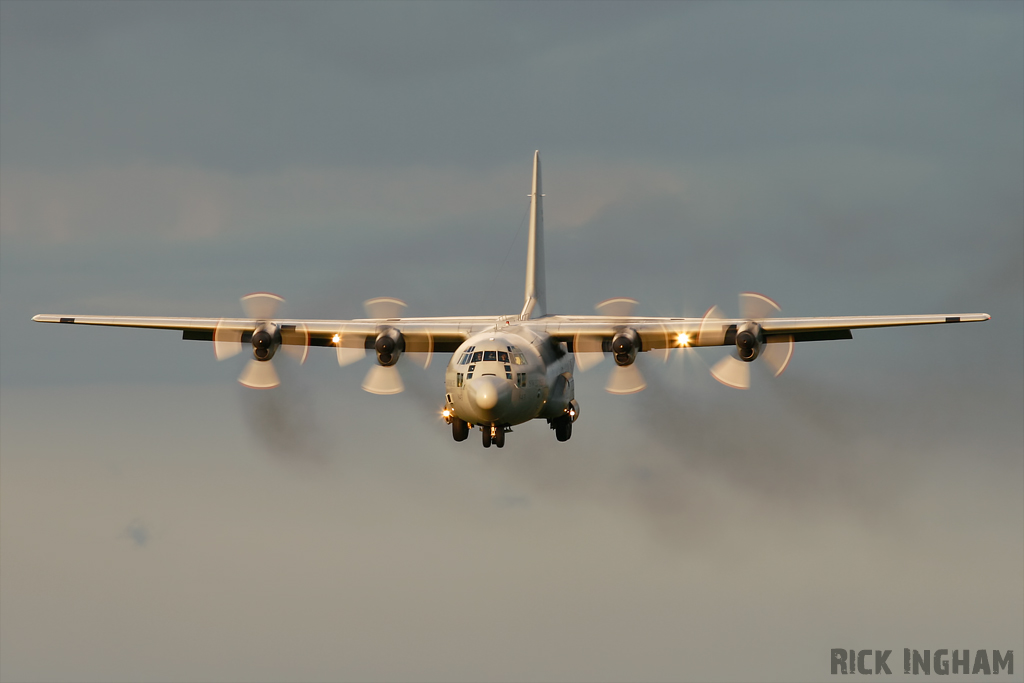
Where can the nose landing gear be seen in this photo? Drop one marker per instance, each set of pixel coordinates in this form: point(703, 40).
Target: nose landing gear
point(495, 435)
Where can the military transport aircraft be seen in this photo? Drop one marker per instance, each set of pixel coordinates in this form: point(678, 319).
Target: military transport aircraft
point(510, 369)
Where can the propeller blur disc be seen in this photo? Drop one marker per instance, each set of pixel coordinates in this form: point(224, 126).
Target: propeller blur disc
point(587, 350)
point(227, 341)
point(625, 379)
point(383, 380)
point(754, 306)
point(777, 354)
point(261, 305)
point(732, 372)
point(420, 343)
point(259, 375)
point(351, 348)
point(295, 343)
point(712, 331)
point(384, 308)
point(623, 307)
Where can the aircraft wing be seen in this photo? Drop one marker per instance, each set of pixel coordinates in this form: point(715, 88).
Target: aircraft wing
point(588, 337)
point(446, 333)
point(660, 333)
point(438, 334)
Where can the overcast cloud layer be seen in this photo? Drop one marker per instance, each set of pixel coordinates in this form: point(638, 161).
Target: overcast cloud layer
point(161, 523)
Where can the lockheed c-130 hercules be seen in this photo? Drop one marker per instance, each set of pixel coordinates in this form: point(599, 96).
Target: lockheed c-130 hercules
point(508, 370)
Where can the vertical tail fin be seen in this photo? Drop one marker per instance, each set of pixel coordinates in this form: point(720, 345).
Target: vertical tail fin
point(536, 299)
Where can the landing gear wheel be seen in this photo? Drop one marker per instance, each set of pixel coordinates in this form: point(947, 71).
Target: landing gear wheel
point(499, 437)
point(460, 430)
point(563, 428)
point(486, 433)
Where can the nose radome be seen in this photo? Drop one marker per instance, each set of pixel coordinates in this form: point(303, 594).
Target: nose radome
point(486, 392)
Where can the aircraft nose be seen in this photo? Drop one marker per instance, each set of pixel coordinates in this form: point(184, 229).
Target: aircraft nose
point(488, 392)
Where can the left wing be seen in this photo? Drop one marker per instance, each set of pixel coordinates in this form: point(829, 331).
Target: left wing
point(660, 333)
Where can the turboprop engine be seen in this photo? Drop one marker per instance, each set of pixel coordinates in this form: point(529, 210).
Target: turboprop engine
point(589, 349)
point(230, 337)
point(265, 341)
point(625, 344)
point(748, 341)
point(751, 343)
point(389, 346)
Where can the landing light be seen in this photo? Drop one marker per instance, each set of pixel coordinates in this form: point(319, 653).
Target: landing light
point(683, 339)
point(336, 338)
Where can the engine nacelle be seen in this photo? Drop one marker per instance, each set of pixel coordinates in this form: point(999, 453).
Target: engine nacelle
point(624, 346)
point(265, 341)
point(389, 346)
point(748, 341)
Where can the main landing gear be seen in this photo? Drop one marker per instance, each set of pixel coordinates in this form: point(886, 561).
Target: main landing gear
point(562, 427)
point(495, 435)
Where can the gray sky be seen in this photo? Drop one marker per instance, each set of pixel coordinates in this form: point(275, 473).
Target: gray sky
point(161, 523)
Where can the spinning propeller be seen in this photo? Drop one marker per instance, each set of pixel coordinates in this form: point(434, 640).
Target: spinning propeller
point(590, 350)
point(749, 338)
point(383, 377)
point(266, 338)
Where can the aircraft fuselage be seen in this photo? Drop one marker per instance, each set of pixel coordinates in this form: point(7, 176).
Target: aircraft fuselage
point(508, 376)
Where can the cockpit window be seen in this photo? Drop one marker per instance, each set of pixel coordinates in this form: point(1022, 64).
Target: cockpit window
point(466, 355)
point(502, 357)
point(490, 355)
point(478, 356)
point(517, 356)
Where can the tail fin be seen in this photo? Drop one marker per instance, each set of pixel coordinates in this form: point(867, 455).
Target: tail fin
point(536, 299)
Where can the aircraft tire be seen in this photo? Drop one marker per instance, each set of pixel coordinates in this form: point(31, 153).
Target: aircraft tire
point(460, 430)
point(486, 432)
point(563, 429)
point(499, 437)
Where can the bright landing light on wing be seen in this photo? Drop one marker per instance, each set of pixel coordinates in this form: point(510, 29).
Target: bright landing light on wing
point(683, 339)
point(336, 338)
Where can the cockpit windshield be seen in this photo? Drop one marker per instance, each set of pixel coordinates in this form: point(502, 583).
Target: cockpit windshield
point(513, 356)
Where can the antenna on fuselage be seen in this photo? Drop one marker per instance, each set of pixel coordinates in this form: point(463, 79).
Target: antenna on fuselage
point(535, 304)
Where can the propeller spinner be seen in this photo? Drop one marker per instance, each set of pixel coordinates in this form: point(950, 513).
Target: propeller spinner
point(383, 377)
point(625, 377)
point(265, 339)
point(750, 341)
